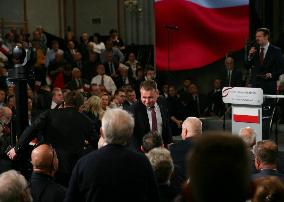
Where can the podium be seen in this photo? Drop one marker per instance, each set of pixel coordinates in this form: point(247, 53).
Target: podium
point(246, 108)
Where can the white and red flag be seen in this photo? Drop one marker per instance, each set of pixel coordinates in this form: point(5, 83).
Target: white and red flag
point(195, 33)
point(246, 115)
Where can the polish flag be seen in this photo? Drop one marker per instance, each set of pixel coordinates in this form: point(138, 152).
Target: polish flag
point(246, 115)
point(193, 33)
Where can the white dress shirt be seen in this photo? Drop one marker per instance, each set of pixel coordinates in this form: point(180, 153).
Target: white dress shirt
point(108, 82)
point(265, 49)
point(159, 118)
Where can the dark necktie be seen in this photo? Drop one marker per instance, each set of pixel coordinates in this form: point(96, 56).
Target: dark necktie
point(154, 120)
point(111, 68)
point(229, 77)
point(196, 98)
point(261, 56)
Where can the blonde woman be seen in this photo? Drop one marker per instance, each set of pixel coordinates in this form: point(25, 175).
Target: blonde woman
point(92, 108)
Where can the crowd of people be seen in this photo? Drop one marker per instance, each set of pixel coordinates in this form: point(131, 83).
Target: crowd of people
point(101, 129)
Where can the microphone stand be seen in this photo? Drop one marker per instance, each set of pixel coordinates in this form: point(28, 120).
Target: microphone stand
point(169, 29)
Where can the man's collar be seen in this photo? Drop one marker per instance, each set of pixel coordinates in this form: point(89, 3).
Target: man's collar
point(266, 46)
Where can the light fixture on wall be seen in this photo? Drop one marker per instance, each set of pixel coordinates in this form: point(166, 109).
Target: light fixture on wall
point(132, 5)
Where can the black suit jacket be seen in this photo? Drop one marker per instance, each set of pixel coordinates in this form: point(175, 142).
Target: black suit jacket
point(142, 126)
point(236, 78)
point(120, 83)
point(215, 103)
point(268, 172)
point(113, 173)
point(72, 85)
point(66, 130)
point(45, 189)
point(107, 68)
point(273, 63)
point(193, 105)
point(179, 152)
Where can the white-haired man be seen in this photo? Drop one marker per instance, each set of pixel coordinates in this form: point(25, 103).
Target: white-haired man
point(14, 187)
point(191, 128)
point(114, 172)
point(163, 166)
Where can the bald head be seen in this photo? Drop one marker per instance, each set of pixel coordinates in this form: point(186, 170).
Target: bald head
point(248, 135)
point(44, 159)
point(191, 127)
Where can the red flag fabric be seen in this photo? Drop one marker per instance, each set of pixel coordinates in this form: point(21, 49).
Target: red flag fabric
point(246, 115)
point(193, 33)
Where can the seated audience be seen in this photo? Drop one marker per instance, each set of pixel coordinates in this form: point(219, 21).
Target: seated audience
point(124, 77)
point(119, 99)
point(130, 97)
point(231, 76)
point(177, 111)
point(116, 39)
point(105, 101)
point(197, 102)
point(57, 98)
point(77, 82)
point(133, 63)
point(51, 53)
point(89, 66)
point(98, 45)
point(45, 164)
point(117, 55)
point(114, 167)
point(216, 106)
point(104, 80)
point(111, 66)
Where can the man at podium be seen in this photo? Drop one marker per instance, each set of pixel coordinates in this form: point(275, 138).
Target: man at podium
point(265, 61)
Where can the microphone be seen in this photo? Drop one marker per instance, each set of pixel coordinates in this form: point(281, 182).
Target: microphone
point(253, 45)
point(172, 27)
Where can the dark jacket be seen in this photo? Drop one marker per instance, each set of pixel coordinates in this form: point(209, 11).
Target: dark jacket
point(142, 126)
point(113, 173)
point(45, 189)
point(66, 130)
point(273, 63)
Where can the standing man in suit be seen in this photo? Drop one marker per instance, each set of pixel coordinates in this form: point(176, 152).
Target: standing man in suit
point(113, 172)
point(150, 114)
point(266, 62)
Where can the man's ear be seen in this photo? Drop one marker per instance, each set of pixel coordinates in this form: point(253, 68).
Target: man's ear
point(101, 133)
point(257, 164)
